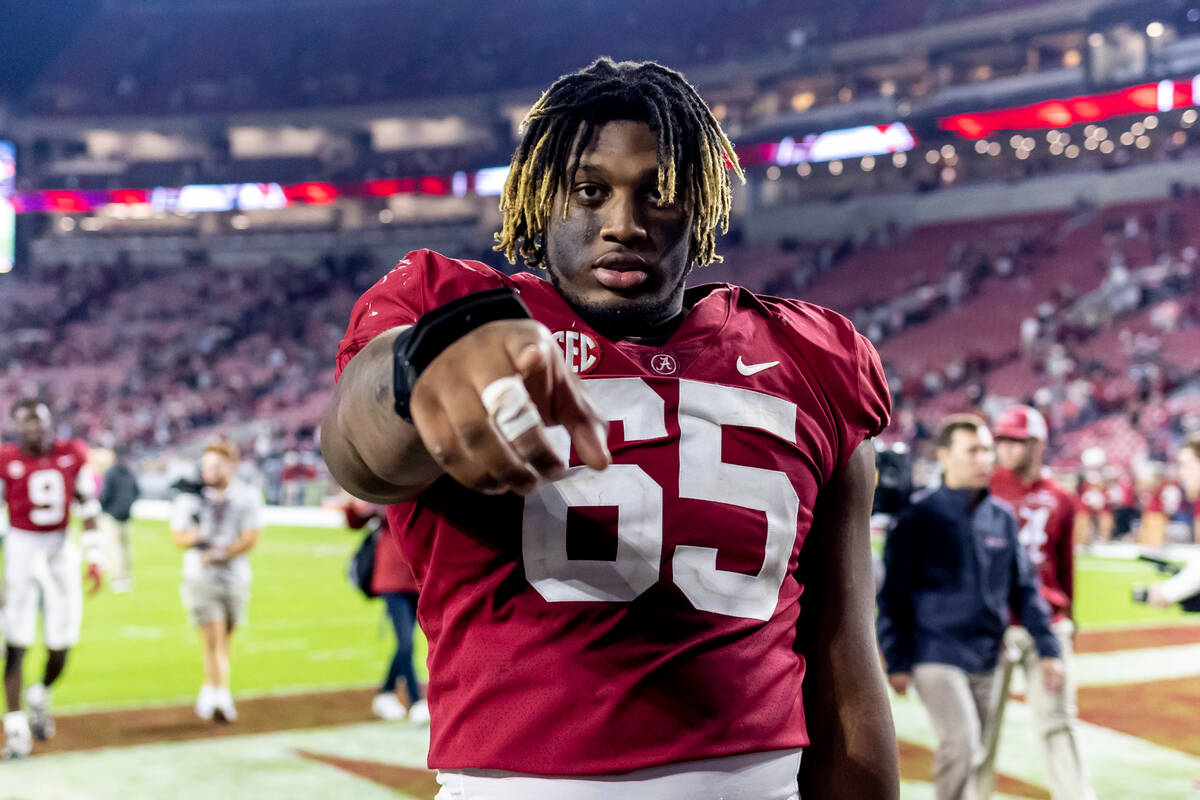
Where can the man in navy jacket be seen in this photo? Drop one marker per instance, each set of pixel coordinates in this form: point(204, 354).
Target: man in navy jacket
point(954, 568)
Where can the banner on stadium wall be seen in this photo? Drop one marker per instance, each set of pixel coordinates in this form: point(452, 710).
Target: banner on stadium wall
point(8, 216)
point(1147, 98)
point(218, 197)
point(867, 140)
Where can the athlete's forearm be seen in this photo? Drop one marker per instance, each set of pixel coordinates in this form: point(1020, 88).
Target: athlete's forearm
point(372, 452)
point(853, 740)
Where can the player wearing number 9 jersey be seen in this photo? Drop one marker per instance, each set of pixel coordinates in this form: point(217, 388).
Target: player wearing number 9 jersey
point(41, 478)
point(617, 594)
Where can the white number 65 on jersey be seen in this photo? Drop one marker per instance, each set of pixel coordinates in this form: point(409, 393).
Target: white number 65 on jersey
point(703, 409)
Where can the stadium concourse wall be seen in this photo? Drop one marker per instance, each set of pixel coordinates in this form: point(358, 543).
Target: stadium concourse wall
point(292, 516)
point(1058, 192)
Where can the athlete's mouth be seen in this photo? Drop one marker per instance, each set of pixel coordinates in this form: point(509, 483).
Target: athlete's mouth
point(620, 271)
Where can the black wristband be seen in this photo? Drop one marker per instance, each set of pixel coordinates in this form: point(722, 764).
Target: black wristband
point(415, 348)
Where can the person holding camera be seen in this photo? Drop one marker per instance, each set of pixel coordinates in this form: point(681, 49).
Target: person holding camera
point(1185, 584)
point(217, 525)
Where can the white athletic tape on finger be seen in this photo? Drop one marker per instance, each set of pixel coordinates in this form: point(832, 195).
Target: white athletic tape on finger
point(508, 403)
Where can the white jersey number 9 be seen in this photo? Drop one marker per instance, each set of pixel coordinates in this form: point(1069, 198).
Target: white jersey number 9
point(48, 494)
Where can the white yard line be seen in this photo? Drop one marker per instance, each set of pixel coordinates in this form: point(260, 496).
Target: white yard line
point(1137, 666)
point(232, 768)
point(1122, 766)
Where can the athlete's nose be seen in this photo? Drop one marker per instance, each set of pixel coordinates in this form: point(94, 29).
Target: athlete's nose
point(622, 220)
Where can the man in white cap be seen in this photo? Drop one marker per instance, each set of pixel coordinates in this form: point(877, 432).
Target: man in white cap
point(1046, 512)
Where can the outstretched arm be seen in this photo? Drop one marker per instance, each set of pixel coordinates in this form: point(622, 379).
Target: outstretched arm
point(377, 456)
point(853, 740)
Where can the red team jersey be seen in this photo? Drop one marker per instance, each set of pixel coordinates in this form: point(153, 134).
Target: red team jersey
point(39, 489)
point(645, 614)
point(1046, 512)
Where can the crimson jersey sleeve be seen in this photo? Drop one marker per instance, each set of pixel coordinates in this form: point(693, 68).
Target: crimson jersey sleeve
point(850, 371)
point(420, 282)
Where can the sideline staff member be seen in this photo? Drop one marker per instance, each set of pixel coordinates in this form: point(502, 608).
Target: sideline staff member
point(954, 566)
point(217, 527)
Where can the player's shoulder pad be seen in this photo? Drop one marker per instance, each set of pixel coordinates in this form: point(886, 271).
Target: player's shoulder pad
point(845, 361)
point(425, 279)
point(420, 282)
point(828, 330)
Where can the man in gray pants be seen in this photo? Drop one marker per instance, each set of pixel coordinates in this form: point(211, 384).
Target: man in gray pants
point(953, 567)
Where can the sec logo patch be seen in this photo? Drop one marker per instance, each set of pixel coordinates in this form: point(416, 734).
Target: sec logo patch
point(16, 470)
point(580, 351)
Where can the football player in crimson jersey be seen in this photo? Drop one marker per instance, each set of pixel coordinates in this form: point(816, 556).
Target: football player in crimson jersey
point(41, 478)
point(614, 497)
point(1046, 512)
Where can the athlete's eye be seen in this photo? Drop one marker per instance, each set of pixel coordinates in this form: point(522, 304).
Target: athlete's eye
point(588, 192)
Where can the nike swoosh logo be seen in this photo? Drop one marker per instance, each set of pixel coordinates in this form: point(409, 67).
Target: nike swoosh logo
point(754, 369)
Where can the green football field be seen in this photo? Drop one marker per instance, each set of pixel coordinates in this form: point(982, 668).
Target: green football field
point(308, 628)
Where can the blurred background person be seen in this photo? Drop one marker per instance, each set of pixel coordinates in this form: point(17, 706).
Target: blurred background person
point(216, 526)
point(41, 477)
point(953, 564)
point(1046, 513)
point(393, 582)
point(118, 494)
point(1185, 584)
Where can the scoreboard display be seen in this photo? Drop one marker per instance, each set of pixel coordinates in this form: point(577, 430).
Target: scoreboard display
point(8, 217)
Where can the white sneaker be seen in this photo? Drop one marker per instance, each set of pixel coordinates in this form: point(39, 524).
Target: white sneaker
point(418, 713)
point(387, 706)
point(18, 739)
point(206, 703)
point(37, 697)
point(224, 711)
point(120, 585)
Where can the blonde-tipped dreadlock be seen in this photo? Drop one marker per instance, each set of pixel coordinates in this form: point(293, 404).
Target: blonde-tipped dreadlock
point(691, 147)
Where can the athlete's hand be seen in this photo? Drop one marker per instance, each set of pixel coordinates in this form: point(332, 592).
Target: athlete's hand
point(95, 577)
point(899, 682)
point(463, 437)
point(1054, 674)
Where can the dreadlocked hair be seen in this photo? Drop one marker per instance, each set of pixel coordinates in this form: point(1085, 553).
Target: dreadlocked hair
point(694, 154)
